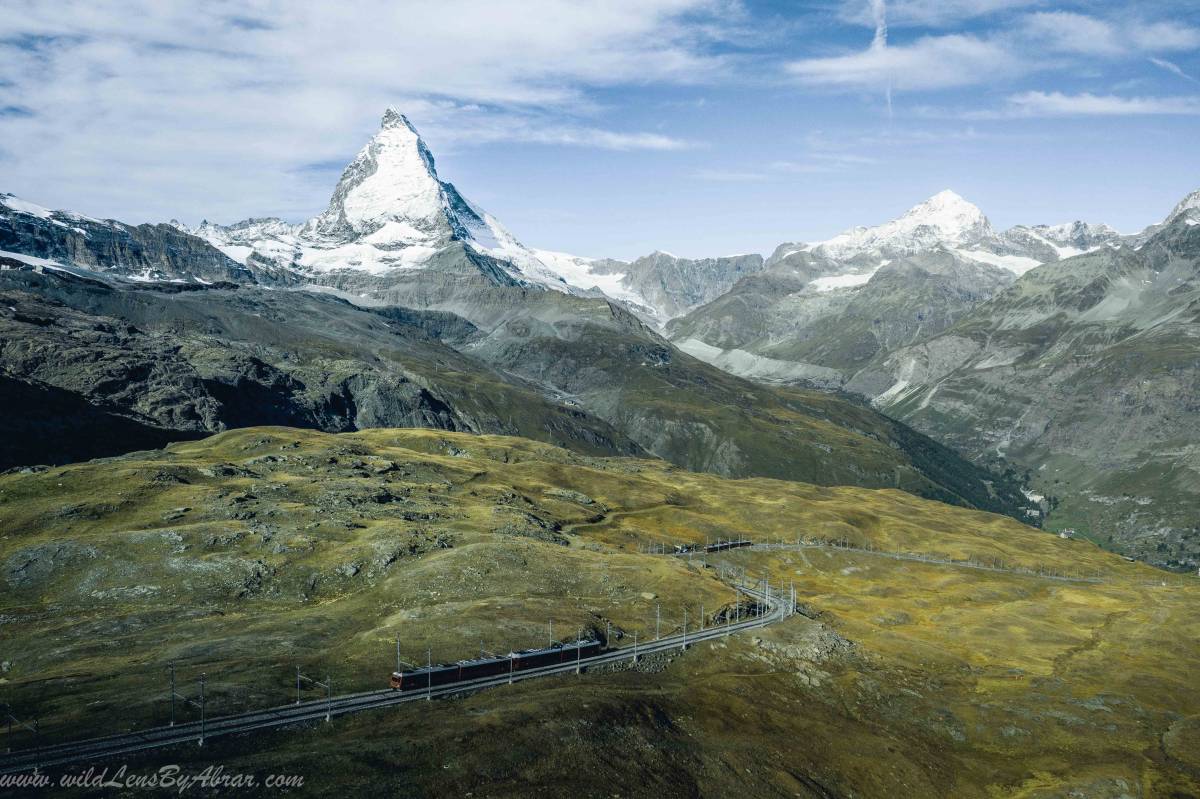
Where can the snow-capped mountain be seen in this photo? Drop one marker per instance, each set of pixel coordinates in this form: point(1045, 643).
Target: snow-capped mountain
point(1188, 207)
point(391, 218)
point(390, 211)
point(945, 219)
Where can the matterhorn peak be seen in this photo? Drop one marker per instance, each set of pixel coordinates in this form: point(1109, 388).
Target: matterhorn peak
point(390, 190)
point(389, 211)
point(392, 118)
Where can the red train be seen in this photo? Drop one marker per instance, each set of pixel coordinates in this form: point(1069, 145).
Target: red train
point(464, 670)
point(721, 546)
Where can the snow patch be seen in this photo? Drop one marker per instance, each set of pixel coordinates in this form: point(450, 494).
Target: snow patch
point(1017, 264)
point(845, 281)
point(24, 207)
point(31, 260)
point(759, 367)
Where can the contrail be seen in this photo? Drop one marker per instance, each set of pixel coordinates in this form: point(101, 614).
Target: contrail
point(1170, 67)
point(879, 43)
point(879, 13)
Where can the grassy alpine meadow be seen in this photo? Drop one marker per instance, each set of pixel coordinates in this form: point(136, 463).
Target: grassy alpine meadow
point(252, 552)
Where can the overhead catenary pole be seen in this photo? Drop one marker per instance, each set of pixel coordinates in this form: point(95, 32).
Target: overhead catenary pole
point(172, 670)
point(657, 621)
point(203, 708)
point(428, 674)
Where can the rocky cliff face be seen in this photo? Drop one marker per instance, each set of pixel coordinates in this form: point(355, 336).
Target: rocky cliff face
point(820, 312)
point(796, 323)
point(1086, 373)
point(147, 252)
point(582, 372)
point(166, 364)
point(673, 286)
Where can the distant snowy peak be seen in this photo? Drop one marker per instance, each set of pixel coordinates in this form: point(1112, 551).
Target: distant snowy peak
point(1188, 206)
point(945, 219)
point(1078, 234)
point(1047, 243)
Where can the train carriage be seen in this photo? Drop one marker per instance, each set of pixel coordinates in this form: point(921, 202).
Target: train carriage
point(466, 670)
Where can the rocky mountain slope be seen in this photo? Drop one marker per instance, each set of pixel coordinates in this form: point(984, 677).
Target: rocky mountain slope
point(92, 367)
point(663, 286)
point(1086, 372)
point(138, 252)
point(795, 324)
point(820, 312)
point(177, 360)
point(1080, 370)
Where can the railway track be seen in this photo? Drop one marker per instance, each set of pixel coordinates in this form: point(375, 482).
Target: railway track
point(197, 732)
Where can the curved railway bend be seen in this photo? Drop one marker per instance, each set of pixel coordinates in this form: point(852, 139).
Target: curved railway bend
point(776, 607)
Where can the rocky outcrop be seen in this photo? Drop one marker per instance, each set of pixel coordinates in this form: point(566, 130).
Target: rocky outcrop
point(152, 252)
point(789, 314)
point(673, 286)
point(126, 368)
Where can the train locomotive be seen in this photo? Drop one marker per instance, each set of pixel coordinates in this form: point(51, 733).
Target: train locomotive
point(466, 670)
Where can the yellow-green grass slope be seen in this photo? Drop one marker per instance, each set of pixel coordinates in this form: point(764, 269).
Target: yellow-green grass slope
point(257, 550)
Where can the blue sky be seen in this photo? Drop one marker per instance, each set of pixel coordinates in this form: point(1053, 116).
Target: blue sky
point(701, 127)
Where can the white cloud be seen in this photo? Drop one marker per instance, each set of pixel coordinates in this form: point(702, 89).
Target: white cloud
point(930, 13)
point(1163, 37)
point(474, 125)
point(1068, 32)
point(931, 62)
point(113, 103)
point(1031, 104)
